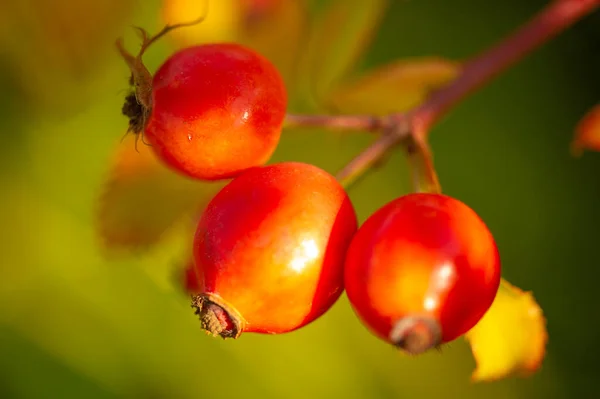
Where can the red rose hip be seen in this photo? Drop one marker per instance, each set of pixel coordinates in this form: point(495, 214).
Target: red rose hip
point(189, 279)
point(269, 250)
point(210, 111)
point(422, 271)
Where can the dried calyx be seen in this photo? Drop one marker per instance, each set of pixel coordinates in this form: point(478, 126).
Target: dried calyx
point(416, 334)
point(138, 103)
point(217, 318)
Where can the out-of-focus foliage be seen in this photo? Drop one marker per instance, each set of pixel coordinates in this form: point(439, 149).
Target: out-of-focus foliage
point(56, 49)
point(394, 87)
point(340, 34)
point(142, 198)
point(76, 324)
point(275, 28)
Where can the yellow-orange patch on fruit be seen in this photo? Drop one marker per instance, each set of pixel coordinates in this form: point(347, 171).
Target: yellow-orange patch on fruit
point(511, 338)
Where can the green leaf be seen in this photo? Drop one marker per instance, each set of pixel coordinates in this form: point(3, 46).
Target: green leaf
point(393, 87)
point(338, 39)
point(141, 199)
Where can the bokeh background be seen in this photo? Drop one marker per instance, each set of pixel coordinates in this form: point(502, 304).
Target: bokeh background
point(76, 323)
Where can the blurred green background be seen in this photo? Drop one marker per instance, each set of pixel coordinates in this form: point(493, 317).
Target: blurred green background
point(75, 324)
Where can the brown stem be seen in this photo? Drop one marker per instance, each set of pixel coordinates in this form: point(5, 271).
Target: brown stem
point(554, 18)
point(420, 160)
point(138, 105)
point(393, 135)
point(359, 165)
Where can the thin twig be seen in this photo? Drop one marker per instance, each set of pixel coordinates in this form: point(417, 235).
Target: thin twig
point(420, 160)
point(345, 122)
point(370, 156)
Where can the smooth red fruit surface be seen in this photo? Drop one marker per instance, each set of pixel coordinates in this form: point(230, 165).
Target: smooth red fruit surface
point(422, 271)
point(217, 109)
point(269, 250)
point(190, 279)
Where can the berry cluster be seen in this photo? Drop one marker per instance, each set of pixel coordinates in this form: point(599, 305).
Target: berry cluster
point(277, 246)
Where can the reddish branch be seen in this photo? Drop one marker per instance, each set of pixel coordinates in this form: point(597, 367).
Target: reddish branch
point(352, 122)
point(414, 125)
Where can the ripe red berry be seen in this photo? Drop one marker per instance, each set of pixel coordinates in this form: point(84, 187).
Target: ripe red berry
point(210, 111)
point(422, 270)
point(269, 250)
point(190, 279)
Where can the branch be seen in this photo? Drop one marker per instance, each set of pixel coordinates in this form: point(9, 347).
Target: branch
point(556, 17)
point(396, 128)
point(347, 122)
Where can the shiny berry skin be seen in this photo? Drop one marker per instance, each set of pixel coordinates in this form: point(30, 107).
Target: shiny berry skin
point(218, 109)
point(422, 271)
point(210, 111)
point(190, 279)
point(269, 250)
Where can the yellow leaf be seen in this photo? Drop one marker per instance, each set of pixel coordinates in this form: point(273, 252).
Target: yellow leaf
point(274, 28)
point(220, 24)
point(394, 87)
point(511, 338)
point(587, 133)
point(142, 198)
point(339, 37)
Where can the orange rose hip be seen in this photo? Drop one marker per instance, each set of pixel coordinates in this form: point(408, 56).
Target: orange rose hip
point(269, 250)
